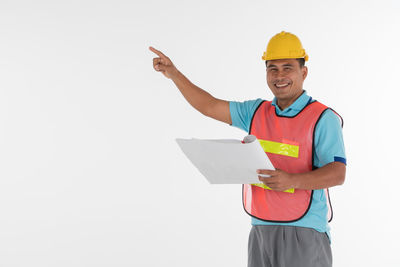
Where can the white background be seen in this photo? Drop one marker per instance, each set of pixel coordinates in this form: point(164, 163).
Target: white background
point(90, 174)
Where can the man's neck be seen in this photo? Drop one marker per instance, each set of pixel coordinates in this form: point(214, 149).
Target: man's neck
point(285, 103)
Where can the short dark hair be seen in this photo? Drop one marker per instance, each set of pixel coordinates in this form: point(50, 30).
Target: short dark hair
point(301, 61)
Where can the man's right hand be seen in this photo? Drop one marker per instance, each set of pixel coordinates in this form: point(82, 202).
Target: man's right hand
point(163, 64)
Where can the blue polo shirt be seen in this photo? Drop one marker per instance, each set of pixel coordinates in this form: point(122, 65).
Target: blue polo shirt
point(329, 147)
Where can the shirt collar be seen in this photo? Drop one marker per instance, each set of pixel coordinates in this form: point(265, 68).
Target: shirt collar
point(297, 105)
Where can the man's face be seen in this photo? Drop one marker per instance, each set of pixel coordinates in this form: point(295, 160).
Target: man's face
point(285, 78)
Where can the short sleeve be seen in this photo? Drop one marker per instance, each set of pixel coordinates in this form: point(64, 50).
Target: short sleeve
point(242, 113)
point(328, 142)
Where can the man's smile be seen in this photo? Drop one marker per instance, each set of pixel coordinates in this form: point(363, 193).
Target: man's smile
point(281, 85)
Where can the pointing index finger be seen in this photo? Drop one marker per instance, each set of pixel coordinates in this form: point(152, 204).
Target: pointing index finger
point(157, 52)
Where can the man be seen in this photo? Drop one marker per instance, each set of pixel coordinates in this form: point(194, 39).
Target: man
point(290, 209)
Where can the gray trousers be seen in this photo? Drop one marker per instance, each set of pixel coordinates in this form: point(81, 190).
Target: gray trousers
point(288, 246)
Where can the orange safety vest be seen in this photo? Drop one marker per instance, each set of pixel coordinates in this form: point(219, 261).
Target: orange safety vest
point(289, 144)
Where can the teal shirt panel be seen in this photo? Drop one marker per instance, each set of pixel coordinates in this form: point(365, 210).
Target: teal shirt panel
point(328, 145)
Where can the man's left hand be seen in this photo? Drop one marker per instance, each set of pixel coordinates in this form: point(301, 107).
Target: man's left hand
point(279, 180)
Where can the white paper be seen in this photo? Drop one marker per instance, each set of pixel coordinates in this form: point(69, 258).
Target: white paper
point(227, 161)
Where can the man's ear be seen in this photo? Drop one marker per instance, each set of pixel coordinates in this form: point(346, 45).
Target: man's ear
point(304, 69)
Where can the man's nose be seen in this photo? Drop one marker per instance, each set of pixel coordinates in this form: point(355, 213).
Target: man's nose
point(280, 74)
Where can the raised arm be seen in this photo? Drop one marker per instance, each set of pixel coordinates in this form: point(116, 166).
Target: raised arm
point(201, 100)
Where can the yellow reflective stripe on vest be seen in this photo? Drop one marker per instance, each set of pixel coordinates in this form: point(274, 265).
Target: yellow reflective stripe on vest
point(280, 148)
point(262, 185)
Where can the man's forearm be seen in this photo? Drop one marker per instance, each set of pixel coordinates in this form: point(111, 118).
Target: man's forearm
point(327, 176)
point(197, 97)
point(201, 100)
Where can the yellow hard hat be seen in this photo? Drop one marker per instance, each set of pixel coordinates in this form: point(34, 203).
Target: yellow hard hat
point(284, 45)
